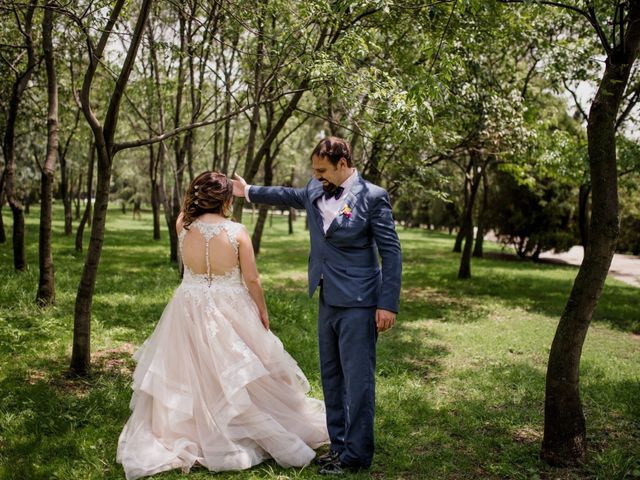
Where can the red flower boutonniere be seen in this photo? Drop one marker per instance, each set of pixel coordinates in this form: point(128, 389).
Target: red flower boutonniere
point(346, 211)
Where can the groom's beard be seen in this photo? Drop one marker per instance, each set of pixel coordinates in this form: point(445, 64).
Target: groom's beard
point(329, 187)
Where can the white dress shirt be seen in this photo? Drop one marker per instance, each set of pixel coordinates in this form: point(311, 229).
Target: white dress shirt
point(329, 207)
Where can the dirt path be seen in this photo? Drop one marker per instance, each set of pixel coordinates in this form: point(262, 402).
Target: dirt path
point(623, 267)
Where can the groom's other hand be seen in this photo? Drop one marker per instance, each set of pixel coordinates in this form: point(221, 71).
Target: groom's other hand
point(385, 320)
point(239, 186)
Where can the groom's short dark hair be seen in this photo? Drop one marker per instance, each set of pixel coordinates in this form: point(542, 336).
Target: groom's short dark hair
point(333, 149)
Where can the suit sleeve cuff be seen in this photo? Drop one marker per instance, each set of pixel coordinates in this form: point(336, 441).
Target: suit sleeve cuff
point(389, 309)
point(246, 193)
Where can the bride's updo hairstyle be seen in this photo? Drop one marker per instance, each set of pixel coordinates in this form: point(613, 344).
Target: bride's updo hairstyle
point(209, 192)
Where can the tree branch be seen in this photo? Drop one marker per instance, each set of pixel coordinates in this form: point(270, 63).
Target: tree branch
point(589, 15)
point(585, 117)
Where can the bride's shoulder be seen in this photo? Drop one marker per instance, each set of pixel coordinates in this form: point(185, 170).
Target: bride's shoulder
point(234, 227)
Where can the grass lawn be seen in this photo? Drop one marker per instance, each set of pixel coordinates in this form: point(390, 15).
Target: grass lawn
point(460, 385)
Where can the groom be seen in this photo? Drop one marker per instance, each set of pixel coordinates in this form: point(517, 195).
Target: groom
point(350, 225)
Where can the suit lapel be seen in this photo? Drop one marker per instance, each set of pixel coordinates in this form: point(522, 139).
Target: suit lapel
point(314, 195)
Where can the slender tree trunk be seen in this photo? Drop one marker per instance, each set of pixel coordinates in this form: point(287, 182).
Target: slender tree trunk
point(564, 441)
point(46, 284)
point(81, 354)
point(256, 238)
point(79, 194)
point(583, 213)
point(67, 196)
point(227, 69)
point(478, 246)
point(8, 144)
point(156, 163)
point(104, 136)
point(254, 122)
point(179, 148)
point(86, 217)
point(457, 247)
point(66, 188)
point(155, 208)
point(251, 171)
point(263, 212)
point(3, 234)
point(465, 259)
point(292, 211)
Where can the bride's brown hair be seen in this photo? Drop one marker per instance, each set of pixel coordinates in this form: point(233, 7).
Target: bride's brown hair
point(209, 192)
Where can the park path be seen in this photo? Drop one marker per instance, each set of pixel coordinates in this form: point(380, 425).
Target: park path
point(623, 267)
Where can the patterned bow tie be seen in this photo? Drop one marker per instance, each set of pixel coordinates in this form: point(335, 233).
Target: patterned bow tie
point(335, 193)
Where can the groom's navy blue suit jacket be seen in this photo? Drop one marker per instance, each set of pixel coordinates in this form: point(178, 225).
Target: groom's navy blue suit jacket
point(346, 257)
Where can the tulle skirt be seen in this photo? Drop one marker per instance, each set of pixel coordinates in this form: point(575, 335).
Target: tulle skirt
point(212, 386)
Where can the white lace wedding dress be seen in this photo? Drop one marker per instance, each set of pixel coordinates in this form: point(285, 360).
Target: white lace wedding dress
point(212, 385)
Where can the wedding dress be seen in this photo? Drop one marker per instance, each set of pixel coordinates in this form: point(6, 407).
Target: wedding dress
point(212, 385)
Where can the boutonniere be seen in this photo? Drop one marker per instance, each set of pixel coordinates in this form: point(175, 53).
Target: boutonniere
point(346, 211)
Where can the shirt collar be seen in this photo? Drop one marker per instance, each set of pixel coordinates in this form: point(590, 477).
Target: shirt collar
point(350, 180)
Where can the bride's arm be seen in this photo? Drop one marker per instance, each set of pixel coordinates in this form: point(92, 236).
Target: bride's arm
point(251, 275)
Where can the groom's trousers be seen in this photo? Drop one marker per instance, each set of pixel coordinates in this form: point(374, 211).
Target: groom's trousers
point(347, 343)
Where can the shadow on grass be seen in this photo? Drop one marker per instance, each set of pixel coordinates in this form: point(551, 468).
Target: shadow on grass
point(58, 427)
point(494, 430)
point(539, 288)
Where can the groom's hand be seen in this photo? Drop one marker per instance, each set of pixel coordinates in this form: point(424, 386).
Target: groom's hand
point(239, 185)
point(384, 320)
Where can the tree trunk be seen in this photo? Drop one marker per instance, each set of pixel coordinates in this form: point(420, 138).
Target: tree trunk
point(583, 213)
point(3, 234)
point(457, 247)
point(467, 222)
point(478, 250)
point(81, 354)
point(103, 135)
point(564, 441)
point(155, 208)
point(66, 188)
point(46, 284)
point(156, 163)
point(292, 211)
point(254, 122)
point(8, 144)
point(86, 217)
point(79, 194)
point(251, 170)
point(66, 192)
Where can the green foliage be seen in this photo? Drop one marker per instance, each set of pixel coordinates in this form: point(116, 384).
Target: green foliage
point(460, 382)
point(533, 218)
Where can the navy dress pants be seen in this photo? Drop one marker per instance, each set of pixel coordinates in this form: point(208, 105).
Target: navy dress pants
point(347, 343)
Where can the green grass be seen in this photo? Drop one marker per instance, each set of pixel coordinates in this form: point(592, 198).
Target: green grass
point(460, 385)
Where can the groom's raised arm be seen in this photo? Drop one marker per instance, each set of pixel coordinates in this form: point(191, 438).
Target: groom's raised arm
point(388, 243)
point(287, 196)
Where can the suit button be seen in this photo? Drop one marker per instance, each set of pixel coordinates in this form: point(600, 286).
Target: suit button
point(359, 299)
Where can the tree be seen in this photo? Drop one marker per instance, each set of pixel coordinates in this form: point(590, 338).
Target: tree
point(532, 217)
point(46, 285)
point(104, 143)
point(564, 441)
point(20, 82)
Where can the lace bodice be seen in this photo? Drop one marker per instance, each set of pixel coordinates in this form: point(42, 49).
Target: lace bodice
point(230, 278)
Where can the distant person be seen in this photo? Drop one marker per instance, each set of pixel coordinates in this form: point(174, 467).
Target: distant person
point(350, 225)
point(213, 385)
point(137, 204)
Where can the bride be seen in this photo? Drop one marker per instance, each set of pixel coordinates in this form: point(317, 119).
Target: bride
point(213, 385)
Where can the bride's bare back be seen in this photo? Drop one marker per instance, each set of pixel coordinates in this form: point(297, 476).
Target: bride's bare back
point(215, 249)
point(210, 248)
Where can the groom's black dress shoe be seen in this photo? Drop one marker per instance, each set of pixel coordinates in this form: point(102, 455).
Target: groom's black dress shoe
point(327, 458)
point(338, 468)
